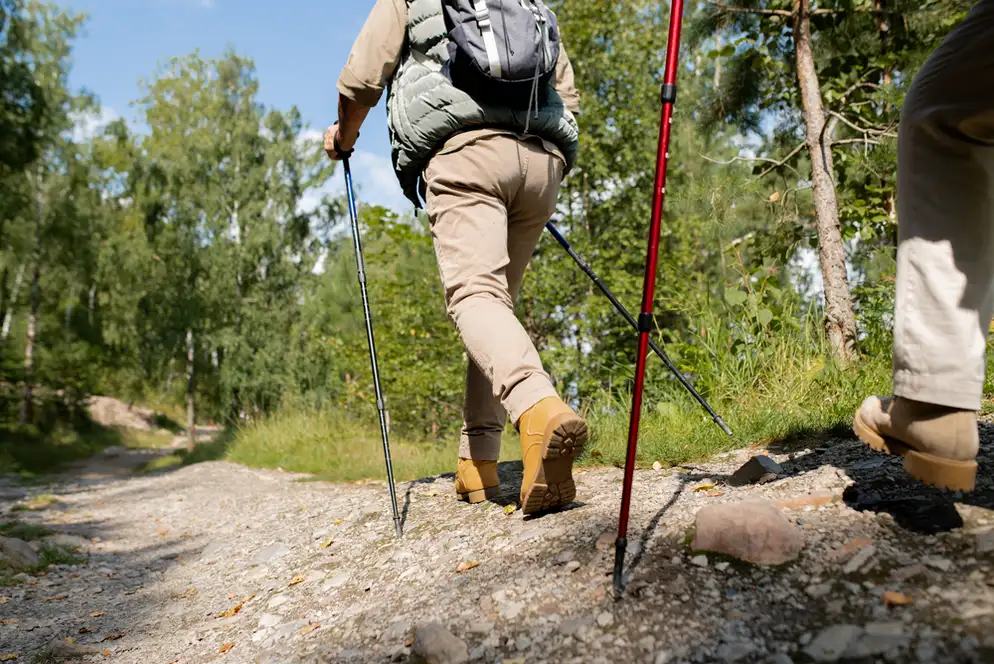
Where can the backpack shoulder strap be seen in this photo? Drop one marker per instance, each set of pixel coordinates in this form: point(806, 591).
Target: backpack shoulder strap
point(485, 22)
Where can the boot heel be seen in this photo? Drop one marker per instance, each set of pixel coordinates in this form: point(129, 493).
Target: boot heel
point(941, 473)
point(473, 497)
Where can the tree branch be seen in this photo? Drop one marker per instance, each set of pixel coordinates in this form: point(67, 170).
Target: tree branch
point(757, 12)
point(764, 160)
point(866, 131)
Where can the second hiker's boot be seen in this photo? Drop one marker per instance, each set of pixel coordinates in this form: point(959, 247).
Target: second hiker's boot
point(477, 481)
point(552, 436)
point(939, 444)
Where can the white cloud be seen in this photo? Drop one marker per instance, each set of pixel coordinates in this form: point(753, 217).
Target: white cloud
point(88, 125)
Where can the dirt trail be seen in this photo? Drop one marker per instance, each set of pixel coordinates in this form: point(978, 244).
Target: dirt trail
point(215, 562)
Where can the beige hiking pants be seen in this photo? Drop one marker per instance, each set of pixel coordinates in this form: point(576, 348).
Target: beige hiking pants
point(488, 197)
point(945, 270)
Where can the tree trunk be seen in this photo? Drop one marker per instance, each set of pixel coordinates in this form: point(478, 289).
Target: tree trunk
point(840, 323)
point(9, 312)
point(27, 406)
point(191, 411)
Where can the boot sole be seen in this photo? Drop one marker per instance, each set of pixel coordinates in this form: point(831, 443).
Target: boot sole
point(481, 495)
point(553, 486)
point(927, 468)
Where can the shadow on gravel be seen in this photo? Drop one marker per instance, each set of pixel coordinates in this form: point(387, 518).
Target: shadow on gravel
point(881, 485)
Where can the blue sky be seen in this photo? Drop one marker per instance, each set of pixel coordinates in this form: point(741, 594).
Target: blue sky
point(299, 48)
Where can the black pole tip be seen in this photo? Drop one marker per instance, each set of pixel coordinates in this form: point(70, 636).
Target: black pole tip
point(620, 546)
point(724, 427)
point(400, 529)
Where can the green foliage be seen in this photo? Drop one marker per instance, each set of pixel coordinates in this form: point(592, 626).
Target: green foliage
point(197, 265)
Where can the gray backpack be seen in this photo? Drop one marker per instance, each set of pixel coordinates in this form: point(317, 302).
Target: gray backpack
point(502, 52)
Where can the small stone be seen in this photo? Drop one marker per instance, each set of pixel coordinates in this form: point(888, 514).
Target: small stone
point(397, 631)
point(337, 581)
point(722, 566)
point(511, 610)
point(808, 500)
point(269, 620)
point(663, 657)
point(926, 652)
point(18, 552)
point(818, 590)
point(433, 644)
point(699, 561)
point(565, 557)
point(753, 531)
point(756, 469)
point(605, 542)
point(780, 658)
point(572, 566)
point(832, 642)
point(271, 553)
point(877, 639)
point(861, 558)
point(605, 619)
point(941, 564)
point(985, 540)
point(735, 651)
point(906, 573)
point(647, 642)
point(277, 601)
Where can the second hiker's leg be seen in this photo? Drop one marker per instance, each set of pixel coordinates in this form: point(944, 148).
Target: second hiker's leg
point(479, 442)
point(945, 276)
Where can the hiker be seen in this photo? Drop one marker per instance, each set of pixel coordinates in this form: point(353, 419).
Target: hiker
point(489, 161)
point(945, 263)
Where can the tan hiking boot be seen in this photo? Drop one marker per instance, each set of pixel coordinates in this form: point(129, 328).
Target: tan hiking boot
point(477, 481)
point(939, 444)
point(552, 436)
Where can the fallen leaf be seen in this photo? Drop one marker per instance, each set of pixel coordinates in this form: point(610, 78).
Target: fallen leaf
point(892, 598)
point(339, 522)
point(87, 630)
point(114, 637)
point(307, 629)
point(97, 614)
point(70, 640)
point(226, 647)
point(466, 566)
point(54, 598)
point(707, 486)
point(106, 653)
point(248, 599)
point(295, 580)
point(656, 465)
point(162, 533)
point(9, 657)
point(775, 196)
point(186, 594)
point(715, 494)
point(231, 612)
point(510, 509)
point(328, 542)
point(8, 621)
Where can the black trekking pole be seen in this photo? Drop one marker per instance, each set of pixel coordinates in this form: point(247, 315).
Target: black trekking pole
point(631, 321)
point(380, 406)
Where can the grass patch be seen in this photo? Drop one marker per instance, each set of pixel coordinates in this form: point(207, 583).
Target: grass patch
point(145, 440)
point(795, 410)
point(30, 452)
point(36, 503)
point(25, 531)
point(162, 463)
point(56, 555)
point(333, 446)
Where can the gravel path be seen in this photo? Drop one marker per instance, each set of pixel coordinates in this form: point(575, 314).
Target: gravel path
point(218, 562)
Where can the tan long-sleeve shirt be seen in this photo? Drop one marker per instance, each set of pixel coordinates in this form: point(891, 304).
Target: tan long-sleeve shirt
point(377, 51)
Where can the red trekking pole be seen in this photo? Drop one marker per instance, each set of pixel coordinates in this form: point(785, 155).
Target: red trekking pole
point(649, 287)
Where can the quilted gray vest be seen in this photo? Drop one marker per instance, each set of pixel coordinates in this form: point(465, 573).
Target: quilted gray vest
point(424, 109)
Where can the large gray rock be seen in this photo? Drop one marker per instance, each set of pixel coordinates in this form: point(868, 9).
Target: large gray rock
point(833, 642)
point(18, 552)
point(433, 644)
point(753, 531)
